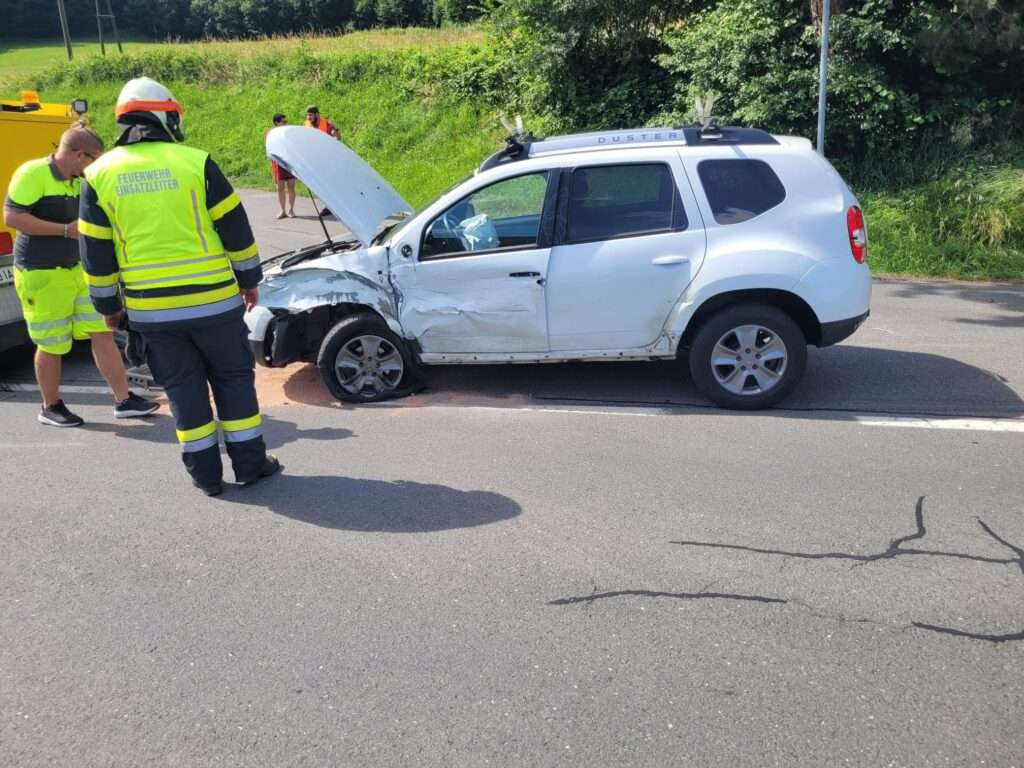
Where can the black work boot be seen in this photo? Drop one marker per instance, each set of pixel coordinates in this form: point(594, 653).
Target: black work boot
point(270, 466)
point(210, 489)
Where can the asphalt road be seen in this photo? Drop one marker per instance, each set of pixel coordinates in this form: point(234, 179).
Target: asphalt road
point(540, 565)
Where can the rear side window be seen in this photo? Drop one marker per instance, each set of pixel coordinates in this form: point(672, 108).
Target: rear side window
point(739, 190)
point(611, 201)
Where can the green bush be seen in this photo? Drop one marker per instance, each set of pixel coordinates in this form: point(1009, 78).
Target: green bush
point(968, 223)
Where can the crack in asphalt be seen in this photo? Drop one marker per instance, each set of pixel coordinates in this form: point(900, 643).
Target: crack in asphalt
point(677, 595)
point(895, 549)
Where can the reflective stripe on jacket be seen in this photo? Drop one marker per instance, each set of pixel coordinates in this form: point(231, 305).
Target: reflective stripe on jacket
point(171, 259)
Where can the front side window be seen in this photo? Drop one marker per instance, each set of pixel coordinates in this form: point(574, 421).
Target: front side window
point(611, 201)
point(739, 190)
point(505, 214)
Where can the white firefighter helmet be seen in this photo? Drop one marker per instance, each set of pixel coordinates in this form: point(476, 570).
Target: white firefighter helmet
point(146, 96)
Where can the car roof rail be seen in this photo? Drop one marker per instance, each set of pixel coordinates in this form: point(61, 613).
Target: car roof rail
point(521, 147)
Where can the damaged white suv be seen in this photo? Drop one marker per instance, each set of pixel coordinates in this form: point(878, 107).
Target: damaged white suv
point(729, 247)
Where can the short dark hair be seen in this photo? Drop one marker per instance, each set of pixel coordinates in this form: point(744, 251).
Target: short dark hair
point(313, 108)
point(278, 118)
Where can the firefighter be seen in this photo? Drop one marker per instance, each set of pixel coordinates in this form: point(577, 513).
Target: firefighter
point(41, 204)
point(160, 218)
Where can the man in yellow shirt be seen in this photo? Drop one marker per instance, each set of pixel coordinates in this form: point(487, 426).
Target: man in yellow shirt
point(42, 205)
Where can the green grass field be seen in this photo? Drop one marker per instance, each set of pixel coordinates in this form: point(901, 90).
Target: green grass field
point(20, 61)
point(964, 219)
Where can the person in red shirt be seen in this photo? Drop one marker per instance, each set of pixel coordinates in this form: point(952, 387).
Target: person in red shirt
point(320, 123)
point(283, 180)
point(315, 120)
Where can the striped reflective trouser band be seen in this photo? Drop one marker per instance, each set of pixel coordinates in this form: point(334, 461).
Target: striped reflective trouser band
point(50, 333)
point(240, 430)
point(198, 439)
point(190, 306)
point(85, 312)
point(247, 258)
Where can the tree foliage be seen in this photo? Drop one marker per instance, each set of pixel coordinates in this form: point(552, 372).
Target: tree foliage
point(191, 19)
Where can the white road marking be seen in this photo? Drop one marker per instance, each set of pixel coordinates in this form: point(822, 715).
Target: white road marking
point(74, 389)
point(864, 419)
point(915, 422)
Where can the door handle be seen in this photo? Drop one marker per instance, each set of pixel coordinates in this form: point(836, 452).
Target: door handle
point(524, 274)
point(662, 260)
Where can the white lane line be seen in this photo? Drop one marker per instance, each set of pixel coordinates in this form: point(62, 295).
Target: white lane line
point(865, 419)
point(914, 422)
point(74, 389)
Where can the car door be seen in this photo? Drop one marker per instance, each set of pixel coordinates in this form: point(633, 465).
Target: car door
point(628, 241)
point(477, 283)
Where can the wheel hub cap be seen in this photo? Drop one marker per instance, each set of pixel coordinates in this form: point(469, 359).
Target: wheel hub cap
point(749, 360)
point(369, 366)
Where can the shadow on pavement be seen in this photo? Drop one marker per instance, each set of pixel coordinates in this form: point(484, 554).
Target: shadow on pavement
point(355, 504)
point(160, 429)
point(841, 378)
point(1005, 297)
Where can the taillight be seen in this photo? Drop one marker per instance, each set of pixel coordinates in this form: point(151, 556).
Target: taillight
point(6, 243)
point(858, 234)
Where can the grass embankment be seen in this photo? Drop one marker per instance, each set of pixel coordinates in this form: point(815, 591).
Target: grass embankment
point(370, 84)
point(403, 99)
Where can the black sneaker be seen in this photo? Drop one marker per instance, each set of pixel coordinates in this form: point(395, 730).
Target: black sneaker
point(271, 466)
point(133, 406)
point(213, 489)
point(58, 415)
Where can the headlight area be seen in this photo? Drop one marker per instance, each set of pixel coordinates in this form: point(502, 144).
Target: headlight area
point(279, 337)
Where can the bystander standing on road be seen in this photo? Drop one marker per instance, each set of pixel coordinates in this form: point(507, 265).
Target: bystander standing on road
point(315, 120)
point(42, 205)
point(283, 179)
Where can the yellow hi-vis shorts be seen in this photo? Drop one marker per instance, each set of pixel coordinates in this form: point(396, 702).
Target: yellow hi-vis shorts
point(57, 307)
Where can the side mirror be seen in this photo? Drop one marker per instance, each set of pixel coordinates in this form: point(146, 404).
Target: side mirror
point(80, 106)
point(407, 251)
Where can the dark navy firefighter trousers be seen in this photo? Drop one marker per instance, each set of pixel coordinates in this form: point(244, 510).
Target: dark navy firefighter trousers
point(189, 363)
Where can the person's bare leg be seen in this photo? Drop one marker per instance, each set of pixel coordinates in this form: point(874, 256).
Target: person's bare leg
point(291, 197)
point(108, 360)
point(281, 198)
point(48, 377)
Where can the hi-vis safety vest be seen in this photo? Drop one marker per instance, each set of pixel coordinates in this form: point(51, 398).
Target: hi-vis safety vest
point(171, 259)
point(322, 125)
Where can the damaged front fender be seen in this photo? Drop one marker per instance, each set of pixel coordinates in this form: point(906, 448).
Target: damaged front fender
point(298, 307)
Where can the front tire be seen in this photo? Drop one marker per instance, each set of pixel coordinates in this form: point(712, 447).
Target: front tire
point(362, 361)
point(748, 356)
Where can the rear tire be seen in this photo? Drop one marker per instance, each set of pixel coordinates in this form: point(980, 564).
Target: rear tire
point(748, 356)
point(362, 361)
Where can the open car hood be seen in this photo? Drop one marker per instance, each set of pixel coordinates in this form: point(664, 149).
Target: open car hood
point(353, 191)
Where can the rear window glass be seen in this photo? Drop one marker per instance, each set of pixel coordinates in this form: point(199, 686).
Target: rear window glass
point(739, 190)
point(612, 201)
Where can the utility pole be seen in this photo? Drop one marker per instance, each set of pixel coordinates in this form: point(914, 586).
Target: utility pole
point(826, 13)
point(62, 11)
point(100, 16)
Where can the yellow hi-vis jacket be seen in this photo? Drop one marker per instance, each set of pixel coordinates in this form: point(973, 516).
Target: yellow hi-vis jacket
point(148, 204)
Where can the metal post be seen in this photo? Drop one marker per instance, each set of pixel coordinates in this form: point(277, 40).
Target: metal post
point(64, 26)
point(826, 12)
point(113, 24)
point(99, 27)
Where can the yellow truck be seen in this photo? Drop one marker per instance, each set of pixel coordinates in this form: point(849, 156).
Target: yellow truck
point(28, 128)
